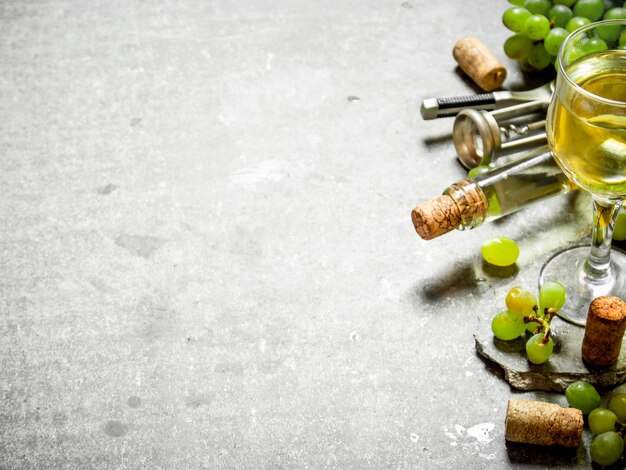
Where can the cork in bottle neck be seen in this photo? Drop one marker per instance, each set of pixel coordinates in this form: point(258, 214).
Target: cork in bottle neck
point(462, 206)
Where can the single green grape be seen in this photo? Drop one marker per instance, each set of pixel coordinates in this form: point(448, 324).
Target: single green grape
point(574, 54)
point(500, 251)
point(554, 39)
point(525, 66)
point(536, 27)
point(619, 229)
point(506, 325)
point(606, 448)
point(521, 301)
point(583, 396)
point(615, 13)
point(622, 38)
point(551, 295)
point(518, 3)
point(515, 17)
point(611, 33)
point(567, 3)
point(601, 420)
point(537, 351)
point(617, 404)
point(576, 22)
point(518, 46)
point(533, 327)
point(539, 57)
point(592, 45)
point(559, 15)
point(538, 7)
point(590, 9)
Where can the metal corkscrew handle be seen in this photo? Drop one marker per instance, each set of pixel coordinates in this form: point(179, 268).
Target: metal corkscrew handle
point(433, 108)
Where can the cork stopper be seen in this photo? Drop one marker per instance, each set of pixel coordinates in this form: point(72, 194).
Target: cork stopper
point(463, 203)
point(604, 330)
point(479, 63)
point(540, 423)
point(436, 217)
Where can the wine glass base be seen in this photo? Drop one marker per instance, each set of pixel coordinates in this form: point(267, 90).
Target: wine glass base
point(566, 267)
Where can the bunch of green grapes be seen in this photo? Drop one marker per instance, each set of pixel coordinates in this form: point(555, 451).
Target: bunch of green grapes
point(525, 315)
point(608, 424)
point(541, 26)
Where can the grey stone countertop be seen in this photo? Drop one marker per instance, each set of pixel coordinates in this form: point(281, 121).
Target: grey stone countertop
point(206, 252)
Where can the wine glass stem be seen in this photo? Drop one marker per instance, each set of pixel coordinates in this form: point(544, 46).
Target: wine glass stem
point(597, 267)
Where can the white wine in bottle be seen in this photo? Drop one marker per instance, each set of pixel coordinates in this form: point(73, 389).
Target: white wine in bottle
point(530, 178)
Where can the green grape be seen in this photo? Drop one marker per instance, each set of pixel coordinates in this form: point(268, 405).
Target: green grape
point(576, 22)
point(554, 39)
point(592, 45)
point(606, 448)
point(559, 15)
point(521, 301)
point(500, 251)
point(518, 3)
point(507, 325)
point(617, 404)
point(539, 57)
point(601, 420)
point(551, 295)
point(615, 13)
point(619, 230)
point(536, 27)
point(537, 351)
point(538, 7)
point(583, 396)
point(611, 33)
point(574, 54)
point(533, 327)
point(591, 9)
point(622, 38)
point(515, 17)
point(477, 170)
point(525, 66)
point(517, 46)
point(567, 3)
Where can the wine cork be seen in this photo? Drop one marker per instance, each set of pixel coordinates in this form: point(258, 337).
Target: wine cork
point(479, 63)
point(545, 424)
point(604, 330)
point(436, 217)
point(463, 202)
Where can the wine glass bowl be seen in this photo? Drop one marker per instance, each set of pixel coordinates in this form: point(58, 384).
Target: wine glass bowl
point(586, 129)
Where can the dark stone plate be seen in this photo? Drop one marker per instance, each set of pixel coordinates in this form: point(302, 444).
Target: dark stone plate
point(564, 366)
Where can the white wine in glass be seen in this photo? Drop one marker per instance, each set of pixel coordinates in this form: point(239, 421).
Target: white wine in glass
point(586, 129)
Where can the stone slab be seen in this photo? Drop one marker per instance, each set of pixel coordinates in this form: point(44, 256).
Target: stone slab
point(564, 366)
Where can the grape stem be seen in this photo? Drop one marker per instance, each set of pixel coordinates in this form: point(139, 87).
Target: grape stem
point(544, 321)
point(549, 313)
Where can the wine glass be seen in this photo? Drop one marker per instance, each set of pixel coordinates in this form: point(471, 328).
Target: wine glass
point(586, 128)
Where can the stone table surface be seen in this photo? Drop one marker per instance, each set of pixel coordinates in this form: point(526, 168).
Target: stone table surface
point(206, 252)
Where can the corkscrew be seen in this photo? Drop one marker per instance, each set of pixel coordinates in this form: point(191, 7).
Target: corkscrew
point(479, 135)
point(434, 108)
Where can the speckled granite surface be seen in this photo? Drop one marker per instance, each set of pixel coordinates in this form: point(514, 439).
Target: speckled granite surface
point(206, 252)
